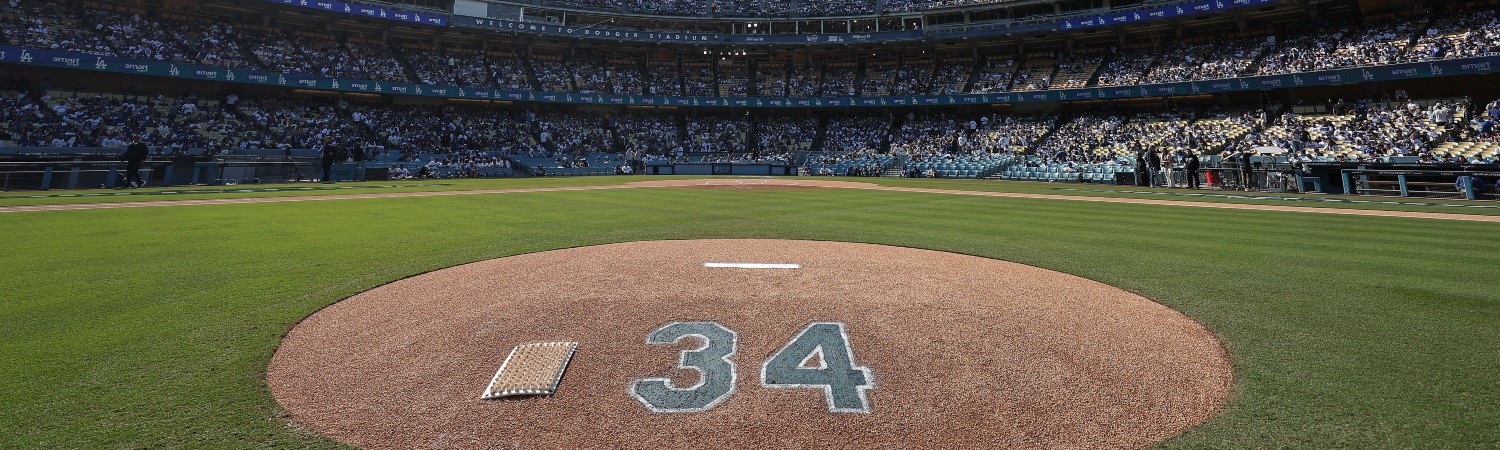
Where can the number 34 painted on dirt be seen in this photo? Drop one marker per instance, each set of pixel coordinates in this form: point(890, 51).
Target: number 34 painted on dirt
point(843, 383)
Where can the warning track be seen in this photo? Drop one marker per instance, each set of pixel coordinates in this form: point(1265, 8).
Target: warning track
point(754, 184)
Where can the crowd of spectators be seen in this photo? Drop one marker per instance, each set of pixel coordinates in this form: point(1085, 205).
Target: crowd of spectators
point(574, 135)
point(733, 80)
point(1076, 71)
point(1036, 75)
point(856, 134)
point(274, 51)
point(1127, 68)
point(211, 44)
point(995, 134)
point(504, 132)
point(804, 81)
point(760, 8)
point(1078, 138)
point(485, 137)
point(1216, 60)
point(49, 26)
point(132, 36)
point(699, 80)
point(913, 78)
point(1208, 60)
point(692, 8)
point(136, 33)
point(771, 80)
point(1382, 42)
point(375, 61)
point(552, 74)
point(451, 67)
point(951, 77)
point(404, 129)
point(663, 78)
point(1459, 34)
point(1362, 130)
point(652, 135)
point(324, 55)
point(838, 81)
point(927, 134)
point(834, 8)
point(711, 134)
point(169, 125)
point(782, 134)
point(854, 164)
point(289, 124)
point(20, 114)
point(597, 75)
point(995, 76)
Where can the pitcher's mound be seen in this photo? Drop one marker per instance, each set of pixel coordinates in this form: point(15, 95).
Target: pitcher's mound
point(943, 351)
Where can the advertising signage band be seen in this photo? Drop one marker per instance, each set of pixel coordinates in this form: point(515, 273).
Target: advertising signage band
point(374, 12)
point(1158, 13)
point(69, 60)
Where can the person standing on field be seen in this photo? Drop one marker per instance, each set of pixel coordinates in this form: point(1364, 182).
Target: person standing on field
point(1190, 169)
point(330, 154)
point(1153, 165)
point(135, 155)
point(1167, 161)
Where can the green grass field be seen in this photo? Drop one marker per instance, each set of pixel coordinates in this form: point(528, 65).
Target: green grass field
point(152, 327)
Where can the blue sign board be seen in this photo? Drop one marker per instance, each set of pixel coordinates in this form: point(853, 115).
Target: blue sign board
point(374, 12)
point(1157, 13)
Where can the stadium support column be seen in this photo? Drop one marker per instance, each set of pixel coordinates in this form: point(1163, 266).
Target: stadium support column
point(74, 173)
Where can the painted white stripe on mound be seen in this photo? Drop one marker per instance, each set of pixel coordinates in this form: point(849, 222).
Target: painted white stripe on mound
point(751, 265)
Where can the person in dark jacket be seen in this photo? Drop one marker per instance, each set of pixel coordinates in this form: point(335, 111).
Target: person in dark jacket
point(1190, 169)
point(1247, 175)
point(330, 154)
point(1140, 169)
point(135, 155)
point(1153, 164)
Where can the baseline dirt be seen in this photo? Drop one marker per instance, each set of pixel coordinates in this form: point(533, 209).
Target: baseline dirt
point(965, 352)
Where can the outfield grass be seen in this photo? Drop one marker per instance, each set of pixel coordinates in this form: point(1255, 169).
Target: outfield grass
point(152, 327)
point(30, 198)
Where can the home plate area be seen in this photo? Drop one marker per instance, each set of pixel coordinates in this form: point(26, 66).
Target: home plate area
point(749, 343)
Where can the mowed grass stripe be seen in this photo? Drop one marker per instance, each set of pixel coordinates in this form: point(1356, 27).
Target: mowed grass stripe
point(152, 327)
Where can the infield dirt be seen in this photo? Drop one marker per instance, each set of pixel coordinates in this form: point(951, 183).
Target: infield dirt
point(966, 352)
